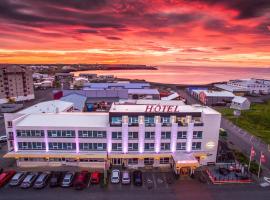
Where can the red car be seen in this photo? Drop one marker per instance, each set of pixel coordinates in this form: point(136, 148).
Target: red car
point(81, 180)
point(6, 176)
point(95, 178)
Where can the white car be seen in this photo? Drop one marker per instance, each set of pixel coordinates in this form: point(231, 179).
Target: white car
point(126, 178)
point(115, 177)
point(3, 139)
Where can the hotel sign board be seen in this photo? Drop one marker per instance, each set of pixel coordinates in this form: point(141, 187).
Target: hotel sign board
point(161, 109)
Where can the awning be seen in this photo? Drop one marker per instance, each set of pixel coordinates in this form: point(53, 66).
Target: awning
point(139, 155)
point(185, 160)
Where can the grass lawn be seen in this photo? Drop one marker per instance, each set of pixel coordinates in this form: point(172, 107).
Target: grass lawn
point(256, 120)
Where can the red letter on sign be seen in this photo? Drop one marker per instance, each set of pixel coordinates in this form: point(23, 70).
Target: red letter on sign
point(170, 108)
point(149, 108)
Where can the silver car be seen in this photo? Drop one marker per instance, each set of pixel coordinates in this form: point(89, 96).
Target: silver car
point(42, 180)
point(17, 179)
point(126, 178)
point(115, 177)
point(68, 179)
point(29, 180)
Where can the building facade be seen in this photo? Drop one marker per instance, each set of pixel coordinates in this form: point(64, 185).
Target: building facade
point(16, 83)
point(182, 137)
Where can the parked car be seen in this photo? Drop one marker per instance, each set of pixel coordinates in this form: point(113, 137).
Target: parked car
point(3, 139)
point(81, 180)
point(137, 178)
point(29, 180)
point(95, 178)
point(56, 179)
point(115, 177)
point(42, 180)
point(6, 176)
point(125, 177)
point(17, 178)
point(68, 179)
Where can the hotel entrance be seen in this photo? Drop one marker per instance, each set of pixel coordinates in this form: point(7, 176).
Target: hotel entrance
point(185, 171)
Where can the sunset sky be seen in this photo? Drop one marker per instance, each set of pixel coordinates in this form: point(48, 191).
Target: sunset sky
point(154, 32)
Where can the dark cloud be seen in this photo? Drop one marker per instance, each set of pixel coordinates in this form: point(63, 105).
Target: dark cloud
point(113, 38)
point(223, 48)
point(194, 50)
point(246, 8)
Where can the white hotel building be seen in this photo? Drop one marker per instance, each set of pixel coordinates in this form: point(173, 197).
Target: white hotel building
point(179, 136)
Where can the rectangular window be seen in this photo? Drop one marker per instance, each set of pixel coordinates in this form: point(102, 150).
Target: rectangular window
point(117, 135)
point(61, 133)
point(149, 121)
point(117, 146)
point(181, 146)
point(116, 120)
point(9, 124)
point(165, 146)
point(133, 135)
point(133, 161)
point(149, 161)
point(196, 145)
point(165, 135)
point(149, 135)
point(165, 120)
point(31, 145)
point(133, 146)
point(181, 135)
point(164, 160)
point(149, 146)
point(62, 146)
point(197, 134)
point(132, 120)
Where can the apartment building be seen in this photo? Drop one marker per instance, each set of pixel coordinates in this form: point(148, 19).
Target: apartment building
point(16, 83)
point(155, 135)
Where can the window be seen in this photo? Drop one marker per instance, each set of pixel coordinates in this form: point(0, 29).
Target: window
point(61, 133)
point(9, 124)
point(133, 135)
point(133, 146)
point(62, 146)
point(165, 135)
point(149, 135)
point(149, 161)
point(165, 120)
point(196, 145)
point(31, 145)
point(117, 146)
point(93, 146)
point(116, 135)
point(149, 146)
point(30, 133)
point(165, 146)
point(132, 120)
point(133, 161)
point(182, 135)
point(149, 121)
point(197, 134)
point(92, 134)
point(181, 146)
point(164, 160)
point(116, 120)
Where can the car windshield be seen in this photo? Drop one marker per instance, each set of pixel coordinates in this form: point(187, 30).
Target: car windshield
point(17, 176)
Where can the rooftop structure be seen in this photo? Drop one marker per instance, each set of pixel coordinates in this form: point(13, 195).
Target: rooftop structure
point(77, 100)
point(123, 85)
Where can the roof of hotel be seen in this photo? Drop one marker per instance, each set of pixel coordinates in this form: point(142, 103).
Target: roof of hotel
point(124, 108)
point(153, 102)
point(239, 99)
point(143, 91)
point(68, 119)
point(77, 99)
point(48, 107)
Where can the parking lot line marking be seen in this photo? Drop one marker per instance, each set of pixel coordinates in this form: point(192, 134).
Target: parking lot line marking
point(154, 180)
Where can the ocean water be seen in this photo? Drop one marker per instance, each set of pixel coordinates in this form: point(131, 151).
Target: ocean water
point(187, 75)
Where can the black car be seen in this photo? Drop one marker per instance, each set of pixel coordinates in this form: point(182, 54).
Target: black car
point(137, 178)
point(56, 179)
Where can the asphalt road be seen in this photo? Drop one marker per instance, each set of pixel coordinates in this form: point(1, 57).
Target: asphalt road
point(182, 190)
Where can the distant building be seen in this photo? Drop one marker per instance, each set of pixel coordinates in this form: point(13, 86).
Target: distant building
point(240, 103)
point(64, 77)
point(16, 83)
point(44, 84)
point(212, 98)
point(88, 76)
point(77, 100)
point(80, 81)
point(143, 94)
point(118, 85)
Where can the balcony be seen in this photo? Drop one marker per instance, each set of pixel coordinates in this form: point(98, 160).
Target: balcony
point(150, 125)
point(167, 124)
point(133, 124)
point(117, 124)
point(198, 123)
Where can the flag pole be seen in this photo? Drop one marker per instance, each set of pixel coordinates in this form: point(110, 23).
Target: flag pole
point(259, 170)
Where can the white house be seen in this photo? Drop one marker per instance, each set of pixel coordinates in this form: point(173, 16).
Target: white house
point(240, 103)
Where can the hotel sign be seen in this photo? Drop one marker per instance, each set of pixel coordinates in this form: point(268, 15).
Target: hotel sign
point(161, 109)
